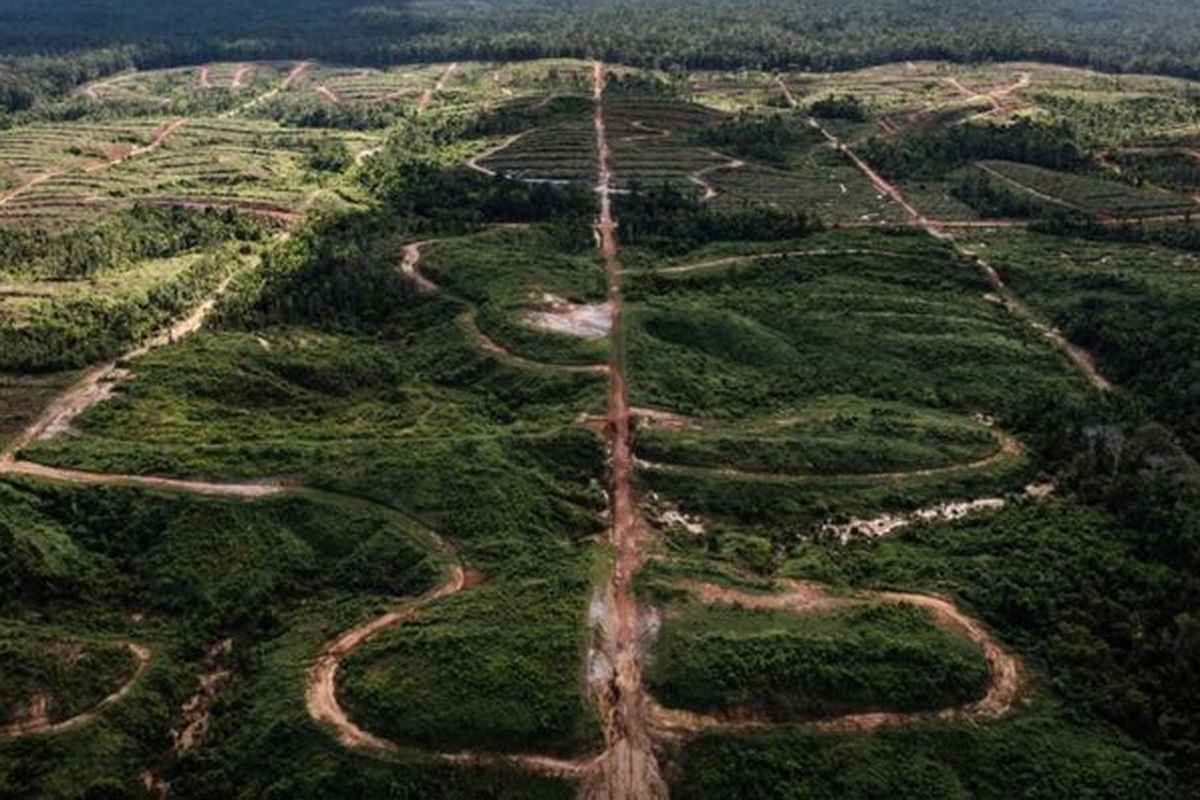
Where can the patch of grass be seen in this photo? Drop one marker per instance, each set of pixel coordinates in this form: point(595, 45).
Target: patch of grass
point(909, 323)
point(790, 665)
point(500, 668)
point(1040, 757)
point(57, 676)
point(830, 436)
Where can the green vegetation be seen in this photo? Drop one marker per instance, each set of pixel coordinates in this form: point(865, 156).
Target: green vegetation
point(1156, 37)
point(57, 677)
point(834, 436)
point(499, 669)
point(773, 139)
point(420, 417)
point(892, 316)
point(934, 154)
point(53, 329)
point(1034, 756)
point(793, 665)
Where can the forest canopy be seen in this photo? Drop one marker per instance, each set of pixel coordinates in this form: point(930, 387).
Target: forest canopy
point(1160, 36)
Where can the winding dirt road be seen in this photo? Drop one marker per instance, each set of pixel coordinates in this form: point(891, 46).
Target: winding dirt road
point(1008, 449)
point(39, 724)
point(320, 690)
point(320, 695)
point(491, 347)
point(710, 191)
point(410, 269)
point(473, 162)
point(1006, 683)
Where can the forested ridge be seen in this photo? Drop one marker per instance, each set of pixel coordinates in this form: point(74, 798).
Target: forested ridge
point(54, 46)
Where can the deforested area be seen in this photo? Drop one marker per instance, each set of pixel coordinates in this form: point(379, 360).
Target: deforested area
point(611, 401)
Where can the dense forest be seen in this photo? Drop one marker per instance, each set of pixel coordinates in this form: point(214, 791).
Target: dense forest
point(57, 45)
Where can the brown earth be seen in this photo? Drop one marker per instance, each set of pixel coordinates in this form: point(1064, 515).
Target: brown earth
point(628, 768)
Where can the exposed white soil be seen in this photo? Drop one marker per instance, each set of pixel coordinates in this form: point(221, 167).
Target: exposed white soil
point(587, 321)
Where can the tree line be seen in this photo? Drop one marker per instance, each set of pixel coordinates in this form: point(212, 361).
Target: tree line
point(57, 47)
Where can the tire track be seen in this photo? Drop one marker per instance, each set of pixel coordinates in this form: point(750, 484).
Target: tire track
point(256, 489)
point(239, 76)
point(491, 347)
point(733, 261)
point(158, 140)
point(97, 384)
point(294, 75)
point(329, 94)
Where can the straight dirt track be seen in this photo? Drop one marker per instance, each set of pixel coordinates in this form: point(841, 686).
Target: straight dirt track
point(628, 767)
point(1079, 357)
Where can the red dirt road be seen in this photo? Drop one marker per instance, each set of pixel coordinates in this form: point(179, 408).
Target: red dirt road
point(239, 77)
point(205, 81)
point(320, 695)
point(29, 183)
point(295, 74)
point(158, 140)
point(628, 768)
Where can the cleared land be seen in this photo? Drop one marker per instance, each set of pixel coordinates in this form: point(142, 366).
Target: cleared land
point(496, 480)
